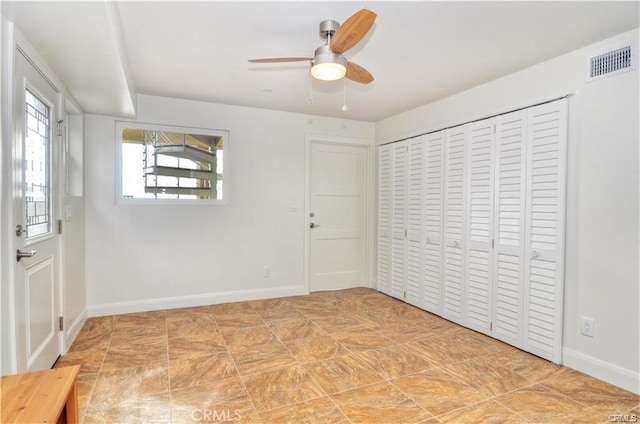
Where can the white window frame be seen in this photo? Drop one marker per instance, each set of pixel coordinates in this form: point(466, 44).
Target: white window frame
point(119, 200)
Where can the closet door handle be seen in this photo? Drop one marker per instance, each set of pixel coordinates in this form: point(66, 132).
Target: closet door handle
point(428, 240)
point(456, 244)
point(534, 254)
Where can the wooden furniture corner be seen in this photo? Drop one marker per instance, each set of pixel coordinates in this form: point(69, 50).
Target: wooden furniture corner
point(48, 396)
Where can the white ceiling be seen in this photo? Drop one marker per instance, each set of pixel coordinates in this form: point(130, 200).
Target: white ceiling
point(418, 52)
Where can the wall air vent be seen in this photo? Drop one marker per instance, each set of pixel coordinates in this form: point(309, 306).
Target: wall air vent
point(611, 63)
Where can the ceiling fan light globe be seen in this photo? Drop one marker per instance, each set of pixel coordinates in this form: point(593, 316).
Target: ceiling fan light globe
point(328, 71)
point(327, 65)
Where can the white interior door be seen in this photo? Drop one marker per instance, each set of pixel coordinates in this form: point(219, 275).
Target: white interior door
point(34, 214)
point(337, 216)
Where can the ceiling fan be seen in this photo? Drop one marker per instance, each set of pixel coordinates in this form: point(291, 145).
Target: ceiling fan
point(328, 64)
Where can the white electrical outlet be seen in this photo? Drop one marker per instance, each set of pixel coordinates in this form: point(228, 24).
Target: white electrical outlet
point(267, 272)
point(587, 327)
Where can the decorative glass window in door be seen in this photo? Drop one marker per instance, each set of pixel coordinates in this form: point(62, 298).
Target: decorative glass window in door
point(37, 166)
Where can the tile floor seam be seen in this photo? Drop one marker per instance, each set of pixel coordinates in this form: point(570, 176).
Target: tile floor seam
point(496, 399)
point(455, 378)
point(432, 415)
point(318, 383)
point(552, 391)
point(93, 386)
point(311, 375)
point(576, 401)
point(255, 410)
point(166, 328)
point(356, 388)
point(88, 405)
point(301, 365)
point(335, 340)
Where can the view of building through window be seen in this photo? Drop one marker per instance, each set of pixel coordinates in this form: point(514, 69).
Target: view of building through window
point(37, 166)
point(169, 164)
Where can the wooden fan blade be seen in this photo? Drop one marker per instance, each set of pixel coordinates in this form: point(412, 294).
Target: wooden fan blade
point(280, 59)
point(352, 31)
point(358, 74)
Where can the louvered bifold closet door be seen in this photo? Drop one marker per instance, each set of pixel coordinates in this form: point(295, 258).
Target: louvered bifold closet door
point(508, 254)
point(398, 219)
point(384, 218)
point(454, 225)
point(433, 203)
point(415, 220)
point(478, 259)
point(544, 233)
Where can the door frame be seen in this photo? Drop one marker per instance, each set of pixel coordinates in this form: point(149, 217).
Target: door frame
point(368, 195)
point(13, 40)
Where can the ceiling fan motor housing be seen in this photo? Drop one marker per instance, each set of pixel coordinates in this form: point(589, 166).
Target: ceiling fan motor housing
point(325, 55)
point(328, 28)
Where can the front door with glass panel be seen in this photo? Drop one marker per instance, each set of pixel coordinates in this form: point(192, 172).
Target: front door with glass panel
point(34, 215)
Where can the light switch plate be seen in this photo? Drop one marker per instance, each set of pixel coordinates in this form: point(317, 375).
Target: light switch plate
point(68, 213)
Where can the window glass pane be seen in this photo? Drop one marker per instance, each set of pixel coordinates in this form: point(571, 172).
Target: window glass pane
point(37, 165)
point(171, 164)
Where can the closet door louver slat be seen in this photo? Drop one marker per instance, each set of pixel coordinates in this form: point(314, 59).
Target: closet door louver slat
point(384, 219)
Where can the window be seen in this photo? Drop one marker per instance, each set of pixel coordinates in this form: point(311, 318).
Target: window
point(172, 164)
point(37, 166)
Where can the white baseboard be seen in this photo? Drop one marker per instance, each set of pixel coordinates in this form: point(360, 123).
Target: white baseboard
point(72, 332)
point(605, 371)
point(194, 300)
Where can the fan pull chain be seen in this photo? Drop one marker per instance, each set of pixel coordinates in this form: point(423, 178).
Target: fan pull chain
point(344, 94)
point(310, 84)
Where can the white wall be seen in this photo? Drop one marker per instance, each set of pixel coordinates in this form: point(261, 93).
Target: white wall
point(142, 257)
point(602, 240)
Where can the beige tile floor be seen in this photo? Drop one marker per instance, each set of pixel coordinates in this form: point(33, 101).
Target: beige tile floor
point(350, 356)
